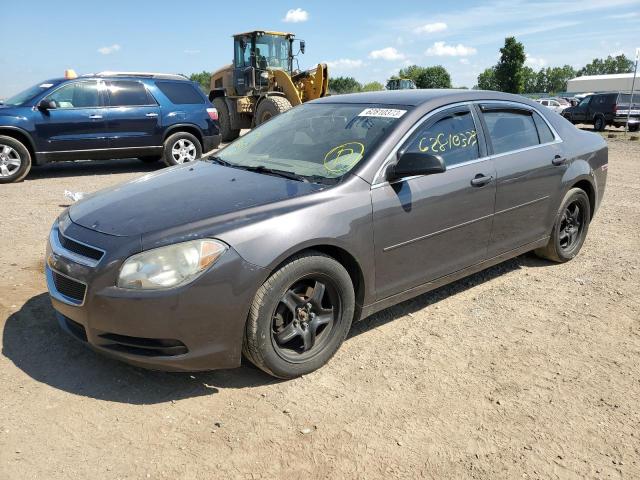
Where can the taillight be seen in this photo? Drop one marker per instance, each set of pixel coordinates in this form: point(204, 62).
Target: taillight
point(615, 108)
point(213, 113)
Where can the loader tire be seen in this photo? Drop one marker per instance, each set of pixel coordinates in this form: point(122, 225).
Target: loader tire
point(270, 107)
point(227, 134)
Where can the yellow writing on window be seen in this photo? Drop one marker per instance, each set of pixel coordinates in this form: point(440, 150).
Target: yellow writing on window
point(442, 142)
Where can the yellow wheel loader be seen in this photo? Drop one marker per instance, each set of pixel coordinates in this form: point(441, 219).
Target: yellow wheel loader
point(263, 81)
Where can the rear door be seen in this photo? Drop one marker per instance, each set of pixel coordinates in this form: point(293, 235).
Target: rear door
point(529, 164)
point(429, 226)
point(133, 116)
point(77, 122)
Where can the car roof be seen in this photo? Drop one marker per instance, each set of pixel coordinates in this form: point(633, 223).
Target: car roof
point(421, 96)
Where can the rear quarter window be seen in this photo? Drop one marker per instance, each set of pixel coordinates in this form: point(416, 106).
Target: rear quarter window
point(181, 93)
point(544, 132)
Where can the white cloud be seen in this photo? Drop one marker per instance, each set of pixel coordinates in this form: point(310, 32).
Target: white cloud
point(388, 53)
point(431, 28)
point(535, 62)
point(441, 49)
point(345, 64)
point(110, 49)
point(189, 51)
point(296, 15)
point(464, 61)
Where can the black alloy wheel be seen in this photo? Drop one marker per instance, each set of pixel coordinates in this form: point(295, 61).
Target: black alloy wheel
point(571, 226)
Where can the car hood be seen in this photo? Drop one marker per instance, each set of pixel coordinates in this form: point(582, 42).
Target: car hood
point(179, 196)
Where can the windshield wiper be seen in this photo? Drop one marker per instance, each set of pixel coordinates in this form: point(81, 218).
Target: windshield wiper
point(220, 161)
point(271, 171)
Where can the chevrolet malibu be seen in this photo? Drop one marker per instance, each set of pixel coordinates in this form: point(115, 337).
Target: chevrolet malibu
point(320, 217)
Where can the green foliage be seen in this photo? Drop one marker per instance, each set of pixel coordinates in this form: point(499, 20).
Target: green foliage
point(427, 77)
point(617, 64)
point(509, 75)
point(344, 85)
point(550, 79)
point(203, 79)
point(487, 79)
point(372, 87)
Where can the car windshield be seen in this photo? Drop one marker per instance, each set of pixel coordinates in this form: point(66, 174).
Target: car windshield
point(317, 142)
point(28, 94)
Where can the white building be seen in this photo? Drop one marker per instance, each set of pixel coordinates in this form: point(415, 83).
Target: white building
point(602, 83)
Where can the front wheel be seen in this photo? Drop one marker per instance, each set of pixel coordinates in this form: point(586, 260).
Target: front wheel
point(181, 147)
point(570, 228)
point(15, 160)
point(599, 124)
point(270, 107)
point(300, 316)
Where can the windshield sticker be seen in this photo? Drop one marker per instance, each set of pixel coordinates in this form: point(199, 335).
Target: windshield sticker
point(46, 85)
point(443, 142)
point(382, 112)
point(341, 159)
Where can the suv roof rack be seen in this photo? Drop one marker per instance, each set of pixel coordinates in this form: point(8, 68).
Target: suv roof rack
point(163, 76)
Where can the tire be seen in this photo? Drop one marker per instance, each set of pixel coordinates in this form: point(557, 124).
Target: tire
point(152, 159)
point(634, 128)
point(599, 124)
point(276, 338)
point(269, 107)
point(227, 134)
point(15, 160)
point(181, 147)
point(559, 249)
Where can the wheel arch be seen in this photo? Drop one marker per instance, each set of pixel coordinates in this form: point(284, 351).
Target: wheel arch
point(588, 188)
point(184, 127)
point(24, 138)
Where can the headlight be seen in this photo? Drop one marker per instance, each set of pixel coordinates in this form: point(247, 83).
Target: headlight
point(169, 266)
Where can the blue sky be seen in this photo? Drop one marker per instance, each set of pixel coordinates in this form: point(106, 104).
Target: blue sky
point(368, 40)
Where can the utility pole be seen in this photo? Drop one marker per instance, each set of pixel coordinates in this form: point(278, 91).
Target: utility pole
point(633, 85)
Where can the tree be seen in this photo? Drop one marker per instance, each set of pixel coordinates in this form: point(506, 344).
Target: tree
point(372, 87)
point(557, 78)
point(203, 79)
point(598, 66)
point(427, 77)
point(508, 72)
point(344, 85)
point(487, 80)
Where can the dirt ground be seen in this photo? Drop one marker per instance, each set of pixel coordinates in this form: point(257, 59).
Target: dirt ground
point(526, 370)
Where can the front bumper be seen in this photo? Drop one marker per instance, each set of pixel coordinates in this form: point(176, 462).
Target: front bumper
point(210, 142)
point(199, 326)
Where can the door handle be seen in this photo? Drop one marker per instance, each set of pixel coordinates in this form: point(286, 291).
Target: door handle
point(481, 180)
point(559, 160)
point(95, 117)
point(151, 115)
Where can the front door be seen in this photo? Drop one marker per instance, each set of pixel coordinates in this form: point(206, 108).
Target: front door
point(133, 116)
point(581, 112)
point(429, 226)
point(77, 122)
point(529, 163)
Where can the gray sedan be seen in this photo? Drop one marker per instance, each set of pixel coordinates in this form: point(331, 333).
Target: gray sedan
point(320, 217)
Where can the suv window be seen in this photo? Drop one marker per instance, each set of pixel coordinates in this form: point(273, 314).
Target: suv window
point(128, 93)
point(180, 93)
point(585, 101)
point(77, 95)
point(453, 136)
point(511, 130)
point(544, 132)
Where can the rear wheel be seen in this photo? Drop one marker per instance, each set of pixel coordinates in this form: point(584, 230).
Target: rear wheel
point(227, 134)
point(599, 124)
point(300, 316)
point(270, 107)
point(634, 128)
point(15, 160)
point(181, 147)
point(570, 228)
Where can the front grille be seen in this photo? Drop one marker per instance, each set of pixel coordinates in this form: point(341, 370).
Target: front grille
point(148, 347)
point(79, 248)
point(69, 288)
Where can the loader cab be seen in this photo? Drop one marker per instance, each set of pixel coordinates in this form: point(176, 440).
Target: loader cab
point(255, 53)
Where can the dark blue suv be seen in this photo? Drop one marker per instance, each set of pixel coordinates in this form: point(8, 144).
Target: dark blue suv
point(103, 116)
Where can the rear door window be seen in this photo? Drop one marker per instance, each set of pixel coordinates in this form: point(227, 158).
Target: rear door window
point(128, 93)
point(510, 129)
point(452, 135)
point(180, 93)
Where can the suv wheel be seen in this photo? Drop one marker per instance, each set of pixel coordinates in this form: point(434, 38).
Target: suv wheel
point(300, 316)
point(15, 160)
point(599, 124)
point(634, 128)
point(181, 147)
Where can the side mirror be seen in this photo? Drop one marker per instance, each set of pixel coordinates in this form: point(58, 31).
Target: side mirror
point(46, 105)
point(415, 163)
point(302, 46)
